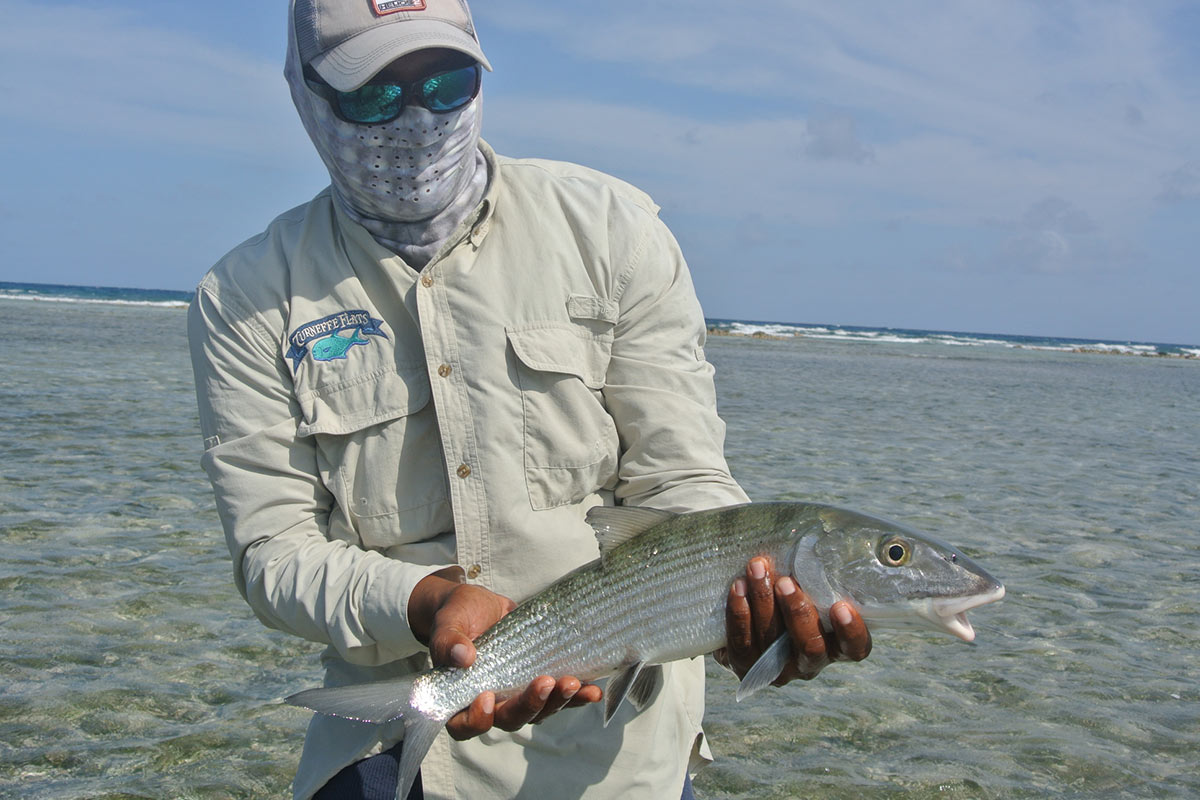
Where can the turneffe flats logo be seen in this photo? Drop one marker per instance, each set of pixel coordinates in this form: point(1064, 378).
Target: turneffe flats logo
point(323, 337)
point(392, 6)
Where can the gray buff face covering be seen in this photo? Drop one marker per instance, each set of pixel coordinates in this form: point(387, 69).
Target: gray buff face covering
point(411, 181)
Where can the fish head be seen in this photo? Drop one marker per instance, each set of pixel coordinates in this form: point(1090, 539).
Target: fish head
point(900, 577)
point(335, 346)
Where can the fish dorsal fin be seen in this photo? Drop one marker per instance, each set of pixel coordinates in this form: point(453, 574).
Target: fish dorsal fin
point(768, 667)
point(616, 524)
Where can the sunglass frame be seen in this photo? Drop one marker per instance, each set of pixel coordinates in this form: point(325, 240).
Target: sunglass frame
point(410, 91)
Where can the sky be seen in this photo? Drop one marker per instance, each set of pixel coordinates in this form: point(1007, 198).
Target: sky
point(1001, 166)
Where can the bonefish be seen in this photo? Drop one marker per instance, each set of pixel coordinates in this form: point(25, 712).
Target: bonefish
point(657, 594)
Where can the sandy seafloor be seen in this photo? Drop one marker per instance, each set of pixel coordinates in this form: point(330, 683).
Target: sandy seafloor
point(130, 668)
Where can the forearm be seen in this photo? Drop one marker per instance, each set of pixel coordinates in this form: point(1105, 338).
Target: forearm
point(276, 512)
point(296, 560)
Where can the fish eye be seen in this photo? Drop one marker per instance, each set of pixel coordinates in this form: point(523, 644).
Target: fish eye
point(894, 553)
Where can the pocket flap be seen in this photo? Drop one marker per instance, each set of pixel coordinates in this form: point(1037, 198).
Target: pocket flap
point(360, 402)
point(559, 347)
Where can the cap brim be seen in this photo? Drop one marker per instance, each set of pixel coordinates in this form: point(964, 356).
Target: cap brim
point(355, 61)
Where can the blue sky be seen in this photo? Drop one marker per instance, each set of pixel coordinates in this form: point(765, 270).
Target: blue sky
point(1012, 166)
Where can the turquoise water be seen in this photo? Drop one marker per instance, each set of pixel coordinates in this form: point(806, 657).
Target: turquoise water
point(129, 666)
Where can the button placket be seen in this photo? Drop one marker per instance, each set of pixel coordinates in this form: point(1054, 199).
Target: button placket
point(436, 322)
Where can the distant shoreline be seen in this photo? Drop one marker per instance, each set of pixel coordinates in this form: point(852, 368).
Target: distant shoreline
point(714, 330)
point(748, 329)
point(1098, 352)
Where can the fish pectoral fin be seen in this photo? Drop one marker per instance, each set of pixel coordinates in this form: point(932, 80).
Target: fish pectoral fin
point(616, 524)
point(768, 667)
point(377, 703)
point(619, 687)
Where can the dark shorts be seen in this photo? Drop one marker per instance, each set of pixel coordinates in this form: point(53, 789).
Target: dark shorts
point(375, 778)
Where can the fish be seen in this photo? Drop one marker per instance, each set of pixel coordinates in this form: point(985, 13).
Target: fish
point(657, 594)
point(336, 346)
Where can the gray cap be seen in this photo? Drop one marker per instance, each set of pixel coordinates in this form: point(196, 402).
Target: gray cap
point(348, 41)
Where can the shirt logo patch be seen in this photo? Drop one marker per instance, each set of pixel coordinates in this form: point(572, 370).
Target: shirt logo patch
point(392, 6)
point(327, 341)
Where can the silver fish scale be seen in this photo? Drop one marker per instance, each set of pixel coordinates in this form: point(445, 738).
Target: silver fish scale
point(657, 597)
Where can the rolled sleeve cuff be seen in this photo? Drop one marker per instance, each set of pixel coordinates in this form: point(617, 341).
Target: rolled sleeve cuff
point(385, 607)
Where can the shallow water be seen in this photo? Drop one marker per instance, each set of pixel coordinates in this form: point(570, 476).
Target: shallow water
point(129, 666)
point(1073, 478)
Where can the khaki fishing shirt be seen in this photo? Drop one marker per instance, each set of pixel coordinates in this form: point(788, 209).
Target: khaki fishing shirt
point(366, 424)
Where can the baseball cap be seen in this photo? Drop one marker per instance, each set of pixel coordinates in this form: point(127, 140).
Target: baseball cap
point(348, 41)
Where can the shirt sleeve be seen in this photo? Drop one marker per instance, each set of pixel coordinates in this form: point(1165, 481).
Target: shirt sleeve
point(659, 386)
point(273, 505)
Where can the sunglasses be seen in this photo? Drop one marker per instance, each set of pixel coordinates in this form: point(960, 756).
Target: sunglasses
point(376, 103)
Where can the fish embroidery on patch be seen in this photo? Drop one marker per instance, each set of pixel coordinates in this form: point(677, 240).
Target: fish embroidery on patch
point(392, 6)
point(325, 340)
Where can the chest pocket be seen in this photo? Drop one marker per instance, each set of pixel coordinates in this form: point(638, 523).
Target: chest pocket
point(380, 454)
point(571, 443)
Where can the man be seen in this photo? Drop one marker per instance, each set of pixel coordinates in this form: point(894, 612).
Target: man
point(413, 387)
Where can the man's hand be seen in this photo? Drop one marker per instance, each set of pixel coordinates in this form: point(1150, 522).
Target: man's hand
point(449, 615)
point(760, 608)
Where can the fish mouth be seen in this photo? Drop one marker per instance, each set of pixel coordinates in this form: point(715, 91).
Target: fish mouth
point(950, 613)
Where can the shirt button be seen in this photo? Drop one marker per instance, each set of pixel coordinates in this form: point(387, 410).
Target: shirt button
point(479, 232)
point(444, 370)
point(426, 281)
point(473, 571)
point(464, 471)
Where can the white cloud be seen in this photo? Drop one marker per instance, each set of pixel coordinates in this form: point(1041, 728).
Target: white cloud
point(714, 168)
point(102, 74)
point(1181, 184)
point(970, 109)
point(834, 136)
point(1056, 214)
point(1055, 236)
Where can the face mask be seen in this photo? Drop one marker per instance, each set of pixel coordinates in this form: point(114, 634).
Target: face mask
point(406, 170)
point(409, 181)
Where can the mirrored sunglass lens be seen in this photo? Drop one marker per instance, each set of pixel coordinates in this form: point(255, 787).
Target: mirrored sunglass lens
point(450, 90)
point(371, 103)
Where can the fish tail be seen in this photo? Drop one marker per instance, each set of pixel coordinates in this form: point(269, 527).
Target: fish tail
point(419, 733)
point(379, 702)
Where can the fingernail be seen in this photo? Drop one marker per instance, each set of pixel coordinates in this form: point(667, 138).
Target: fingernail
point(489, 703)
point(569, 693)
point(786, 586)
point(544, 692)
point(739, 587)
point(459, 654)
point(841, 613)
point(758, 570)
